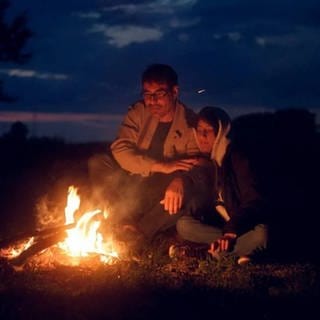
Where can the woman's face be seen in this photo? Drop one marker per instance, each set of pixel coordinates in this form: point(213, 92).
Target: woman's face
point(206, 136)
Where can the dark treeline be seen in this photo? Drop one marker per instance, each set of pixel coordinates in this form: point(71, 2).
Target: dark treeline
point(283, 148)
point(31, 168)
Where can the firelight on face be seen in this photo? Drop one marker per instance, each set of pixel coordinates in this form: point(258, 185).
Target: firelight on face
point(205, 136)
point(160, 100)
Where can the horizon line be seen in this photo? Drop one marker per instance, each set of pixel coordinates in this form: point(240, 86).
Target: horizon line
point(27, 116)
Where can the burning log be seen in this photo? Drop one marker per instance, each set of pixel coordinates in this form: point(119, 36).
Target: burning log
point(37, 234)
point(39, 246)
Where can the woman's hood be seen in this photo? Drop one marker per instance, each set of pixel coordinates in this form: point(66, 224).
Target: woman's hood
point(222, 140)
point(219, 119)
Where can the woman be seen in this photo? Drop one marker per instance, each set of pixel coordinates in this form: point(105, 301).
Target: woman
point(235, 221)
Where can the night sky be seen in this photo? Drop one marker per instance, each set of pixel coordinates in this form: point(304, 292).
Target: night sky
point(88, 55)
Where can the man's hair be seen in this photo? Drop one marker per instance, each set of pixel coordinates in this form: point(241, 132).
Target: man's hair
point(160, 73)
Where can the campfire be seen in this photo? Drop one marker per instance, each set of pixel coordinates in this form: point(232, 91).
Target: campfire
point(77, 240)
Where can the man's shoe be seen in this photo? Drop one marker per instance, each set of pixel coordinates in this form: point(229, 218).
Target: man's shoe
point(181, 251)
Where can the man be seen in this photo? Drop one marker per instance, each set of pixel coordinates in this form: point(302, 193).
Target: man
point(140, 180)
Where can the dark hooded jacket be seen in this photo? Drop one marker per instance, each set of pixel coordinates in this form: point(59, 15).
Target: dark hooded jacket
point(235, 196)
point(239, 193)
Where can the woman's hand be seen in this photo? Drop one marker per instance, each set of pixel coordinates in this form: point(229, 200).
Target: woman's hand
point(225, 243)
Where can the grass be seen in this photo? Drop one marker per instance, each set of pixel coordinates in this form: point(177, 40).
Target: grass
point(157, 287)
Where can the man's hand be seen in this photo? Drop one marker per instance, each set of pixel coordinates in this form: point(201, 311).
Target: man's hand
point(172, 166)
point(225, 243)
point(173, 196)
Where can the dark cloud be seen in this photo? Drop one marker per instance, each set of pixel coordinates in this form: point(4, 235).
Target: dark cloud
point(243, 53)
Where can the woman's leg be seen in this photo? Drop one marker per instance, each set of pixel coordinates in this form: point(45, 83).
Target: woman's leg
point(253, 241)
point(194, 230)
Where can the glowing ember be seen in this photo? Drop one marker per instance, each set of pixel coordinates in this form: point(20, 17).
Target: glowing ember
point(16, 250)
point(84, 239)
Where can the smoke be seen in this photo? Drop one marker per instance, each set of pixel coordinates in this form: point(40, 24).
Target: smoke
point(48, 213)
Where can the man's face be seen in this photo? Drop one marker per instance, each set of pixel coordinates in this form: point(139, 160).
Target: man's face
point(160, 99)
point(206, 136)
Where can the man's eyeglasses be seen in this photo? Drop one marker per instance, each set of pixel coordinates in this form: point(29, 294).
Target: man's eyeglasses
point(156, 95)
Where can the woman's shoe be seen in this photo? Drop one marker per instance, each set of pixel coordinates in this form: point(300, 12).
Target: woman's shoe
point(243, 260)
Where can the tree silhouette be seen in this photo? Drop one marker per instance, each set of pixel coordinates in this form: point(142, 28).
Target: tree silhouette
point(13, 38)
point(18, 133)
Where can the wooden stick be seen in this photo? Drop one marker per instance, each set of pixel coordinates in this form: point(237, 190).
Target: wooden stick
point(37, 247)
point(37, 234)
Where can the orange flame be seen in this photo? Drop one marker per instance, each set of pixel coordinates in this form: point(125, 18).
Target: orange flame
point(15, 251)
point(84, 239)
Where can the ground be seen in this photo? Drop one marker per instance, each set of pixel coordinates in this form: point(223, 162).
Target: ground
point(156, 287)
